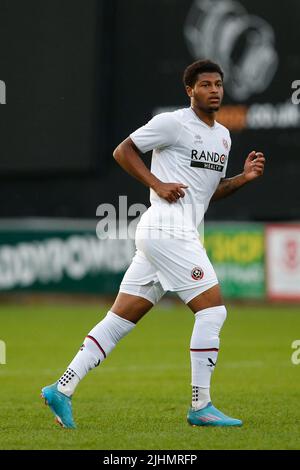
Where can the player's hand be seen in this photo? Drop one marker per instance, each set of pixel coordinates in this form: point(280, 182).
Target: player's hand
point(170, 191)
point(254, 165)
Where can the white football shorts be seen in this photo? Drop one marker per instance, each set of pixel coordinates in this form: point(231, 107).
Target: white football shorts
point(168, 264)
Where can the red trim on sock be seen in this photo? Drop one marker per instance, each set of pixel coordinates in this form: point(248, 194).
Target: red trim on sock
point(96, 342)
point(204, 350)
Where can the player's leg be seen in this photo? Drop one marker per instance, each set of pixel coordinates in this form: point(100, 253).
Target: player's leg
point(131, 307)
point(126, 311)
point(182, 265)
point(210, 314)
point(139, 291)
point(211, 297)
point(100, 341)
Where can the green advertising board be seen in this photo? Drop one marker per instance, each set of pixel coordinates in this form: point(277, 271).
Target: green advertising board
point(62, 260)
point(236, 251)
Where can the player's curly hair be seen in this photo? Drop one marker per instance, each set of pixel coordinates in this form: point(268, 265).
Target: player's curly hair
point(191, 73)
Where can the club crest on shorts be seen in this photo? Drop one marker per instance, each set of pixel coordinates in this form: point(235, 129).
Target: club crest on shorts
point(197, 273)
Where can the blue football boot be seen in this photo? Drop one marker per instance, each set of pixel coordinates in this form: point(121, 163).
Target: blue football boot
point(60, 405)
point(210, 416)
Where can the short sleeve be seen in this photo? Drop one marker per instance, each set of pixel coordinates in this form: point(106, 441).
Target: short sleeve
point(228, 140)
point(161, 131)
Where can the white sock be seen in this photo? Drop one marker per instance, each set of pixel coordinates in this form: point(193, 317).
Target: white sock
point(200, 397)
point(204, 350)
point(68, 382)
point(100, 341)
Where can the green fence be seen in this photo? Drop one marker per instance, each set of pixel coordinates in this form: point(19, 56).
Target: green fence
point(237, 254)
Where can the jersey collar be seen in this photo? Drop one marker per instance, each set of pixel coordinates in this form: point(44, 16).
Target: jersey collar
point(202, 122)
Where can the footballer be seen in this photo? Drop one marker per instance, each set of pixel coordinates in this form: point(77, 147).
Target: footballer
point(190, 151)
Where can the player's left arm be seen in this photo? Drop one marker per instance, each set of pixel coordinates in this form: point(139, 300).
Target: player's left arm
point(253, 168)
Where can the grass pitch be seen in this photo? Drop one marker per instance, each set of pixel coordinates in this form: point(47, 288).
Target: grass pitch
point(138, 398)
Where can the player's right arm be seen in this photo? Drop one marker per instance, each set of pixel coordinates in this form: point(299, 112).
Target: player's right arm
point(161, 131)
point(127, 155)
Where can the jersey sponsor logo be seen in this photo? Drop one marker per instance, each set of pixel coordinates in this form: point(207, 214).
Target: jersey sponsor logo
point(197, 273)
point(208, 160)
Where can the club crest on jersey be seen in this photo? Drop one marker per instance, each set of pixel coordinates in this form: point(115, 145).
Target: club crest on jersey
point(197, 273)
point(225, 143)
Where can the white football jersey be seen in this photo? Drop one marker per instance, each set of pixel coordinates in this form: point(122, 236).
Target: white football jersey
point(185, 150)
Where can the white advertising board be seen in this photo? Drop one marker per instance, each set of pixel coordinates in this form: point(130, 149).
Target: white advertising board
point(283, 261)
